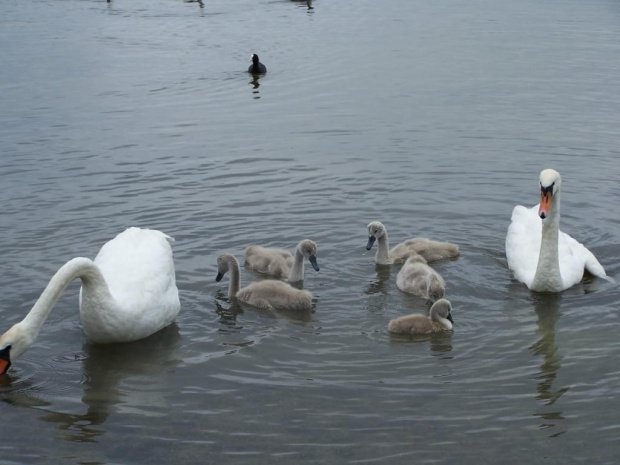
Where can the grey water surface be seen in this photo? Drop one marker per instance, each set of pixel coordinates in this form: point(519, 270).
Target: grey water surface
point(434, 117)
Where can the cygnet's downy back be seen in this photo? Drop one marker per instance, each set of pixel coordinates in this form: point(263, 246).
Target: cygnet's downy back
point(416, 277)
point(440, 320)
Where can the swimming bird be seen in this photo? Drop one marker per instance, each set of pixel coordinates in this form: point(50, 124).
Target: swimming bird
point(416, 277)
point(540, 255)
point(128, 293)
point(264, 294)
point(440, 320)
point(429, 249)
point(256, 67)
point(280, 263)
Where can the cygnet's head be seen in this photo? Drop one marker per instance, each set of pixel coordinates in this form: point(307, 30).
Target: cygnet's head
point(442, 309)
point(550, 182)
point(308, 249)
point(13, 343)
point(224, 263)
point(434, 288)
point(375, 231)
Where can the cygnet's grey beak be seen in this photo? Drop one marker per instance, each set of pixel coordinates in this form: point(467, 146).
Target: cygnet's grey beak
point(449, 317)
point(219, 277)
point(314, 263)
point(371, 241)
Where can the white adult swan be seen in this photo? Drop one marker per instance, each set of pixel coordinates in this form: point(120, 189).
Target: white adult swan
point(128, 293)
point(429, 249)
point(538, 253)
point(264, 294)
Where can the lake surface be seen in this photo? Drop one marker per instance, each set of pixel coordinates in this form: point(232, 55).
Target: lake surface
point(434, 117)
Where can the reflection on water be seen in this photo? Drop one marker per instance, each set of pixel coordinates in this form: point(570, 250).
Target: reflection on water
point(547, 308)
point(308, 4)
point(440, 343)
point(105, 368)
point(380, 286)
point(228, 315)
point(255, 85)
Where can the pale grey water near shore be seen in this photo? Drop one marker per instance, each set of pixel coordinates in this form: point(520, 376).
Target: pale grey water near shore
point(433, 117)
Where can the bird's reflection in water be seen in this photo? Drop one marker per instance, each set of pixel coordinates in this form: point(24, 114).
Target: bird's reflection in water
point(301, 3)
point(255, 85)
point(380, 286)
point(547, 309)
point(105, 368)
point(440, 343)
point(228, 315)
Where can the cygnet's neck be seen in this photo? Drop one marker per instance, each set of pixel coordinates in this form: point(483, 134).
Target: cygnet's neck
point(548, 276)
point(434, 287)
point(233, 286)
point(383, 250)
point(444, 322)
point(82, 268)
point(297, 271)
point(441, 321)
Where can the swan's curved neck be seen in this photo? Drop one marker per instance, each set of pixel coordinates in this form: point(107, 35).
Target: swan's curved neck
point(297, 271)
point(548, 275)
point(233, 286)
point(82, 268)
point(383, 250)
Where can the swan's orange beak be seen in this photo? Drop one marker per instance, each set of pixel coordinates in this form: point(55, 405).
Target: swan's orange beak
point(545, 204)
point(5, 359)
point(4, 366)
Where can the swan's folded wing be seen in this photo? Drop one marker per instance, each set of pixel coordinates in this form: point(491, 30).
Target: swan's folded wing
point(139, 269)
point(577, 257)
point(523, 243)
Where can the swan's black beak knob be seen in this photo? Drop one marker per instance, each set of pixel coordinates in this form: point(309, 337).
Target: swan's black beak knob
point(371, 241)
point(314, 263)
point(543, 215)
